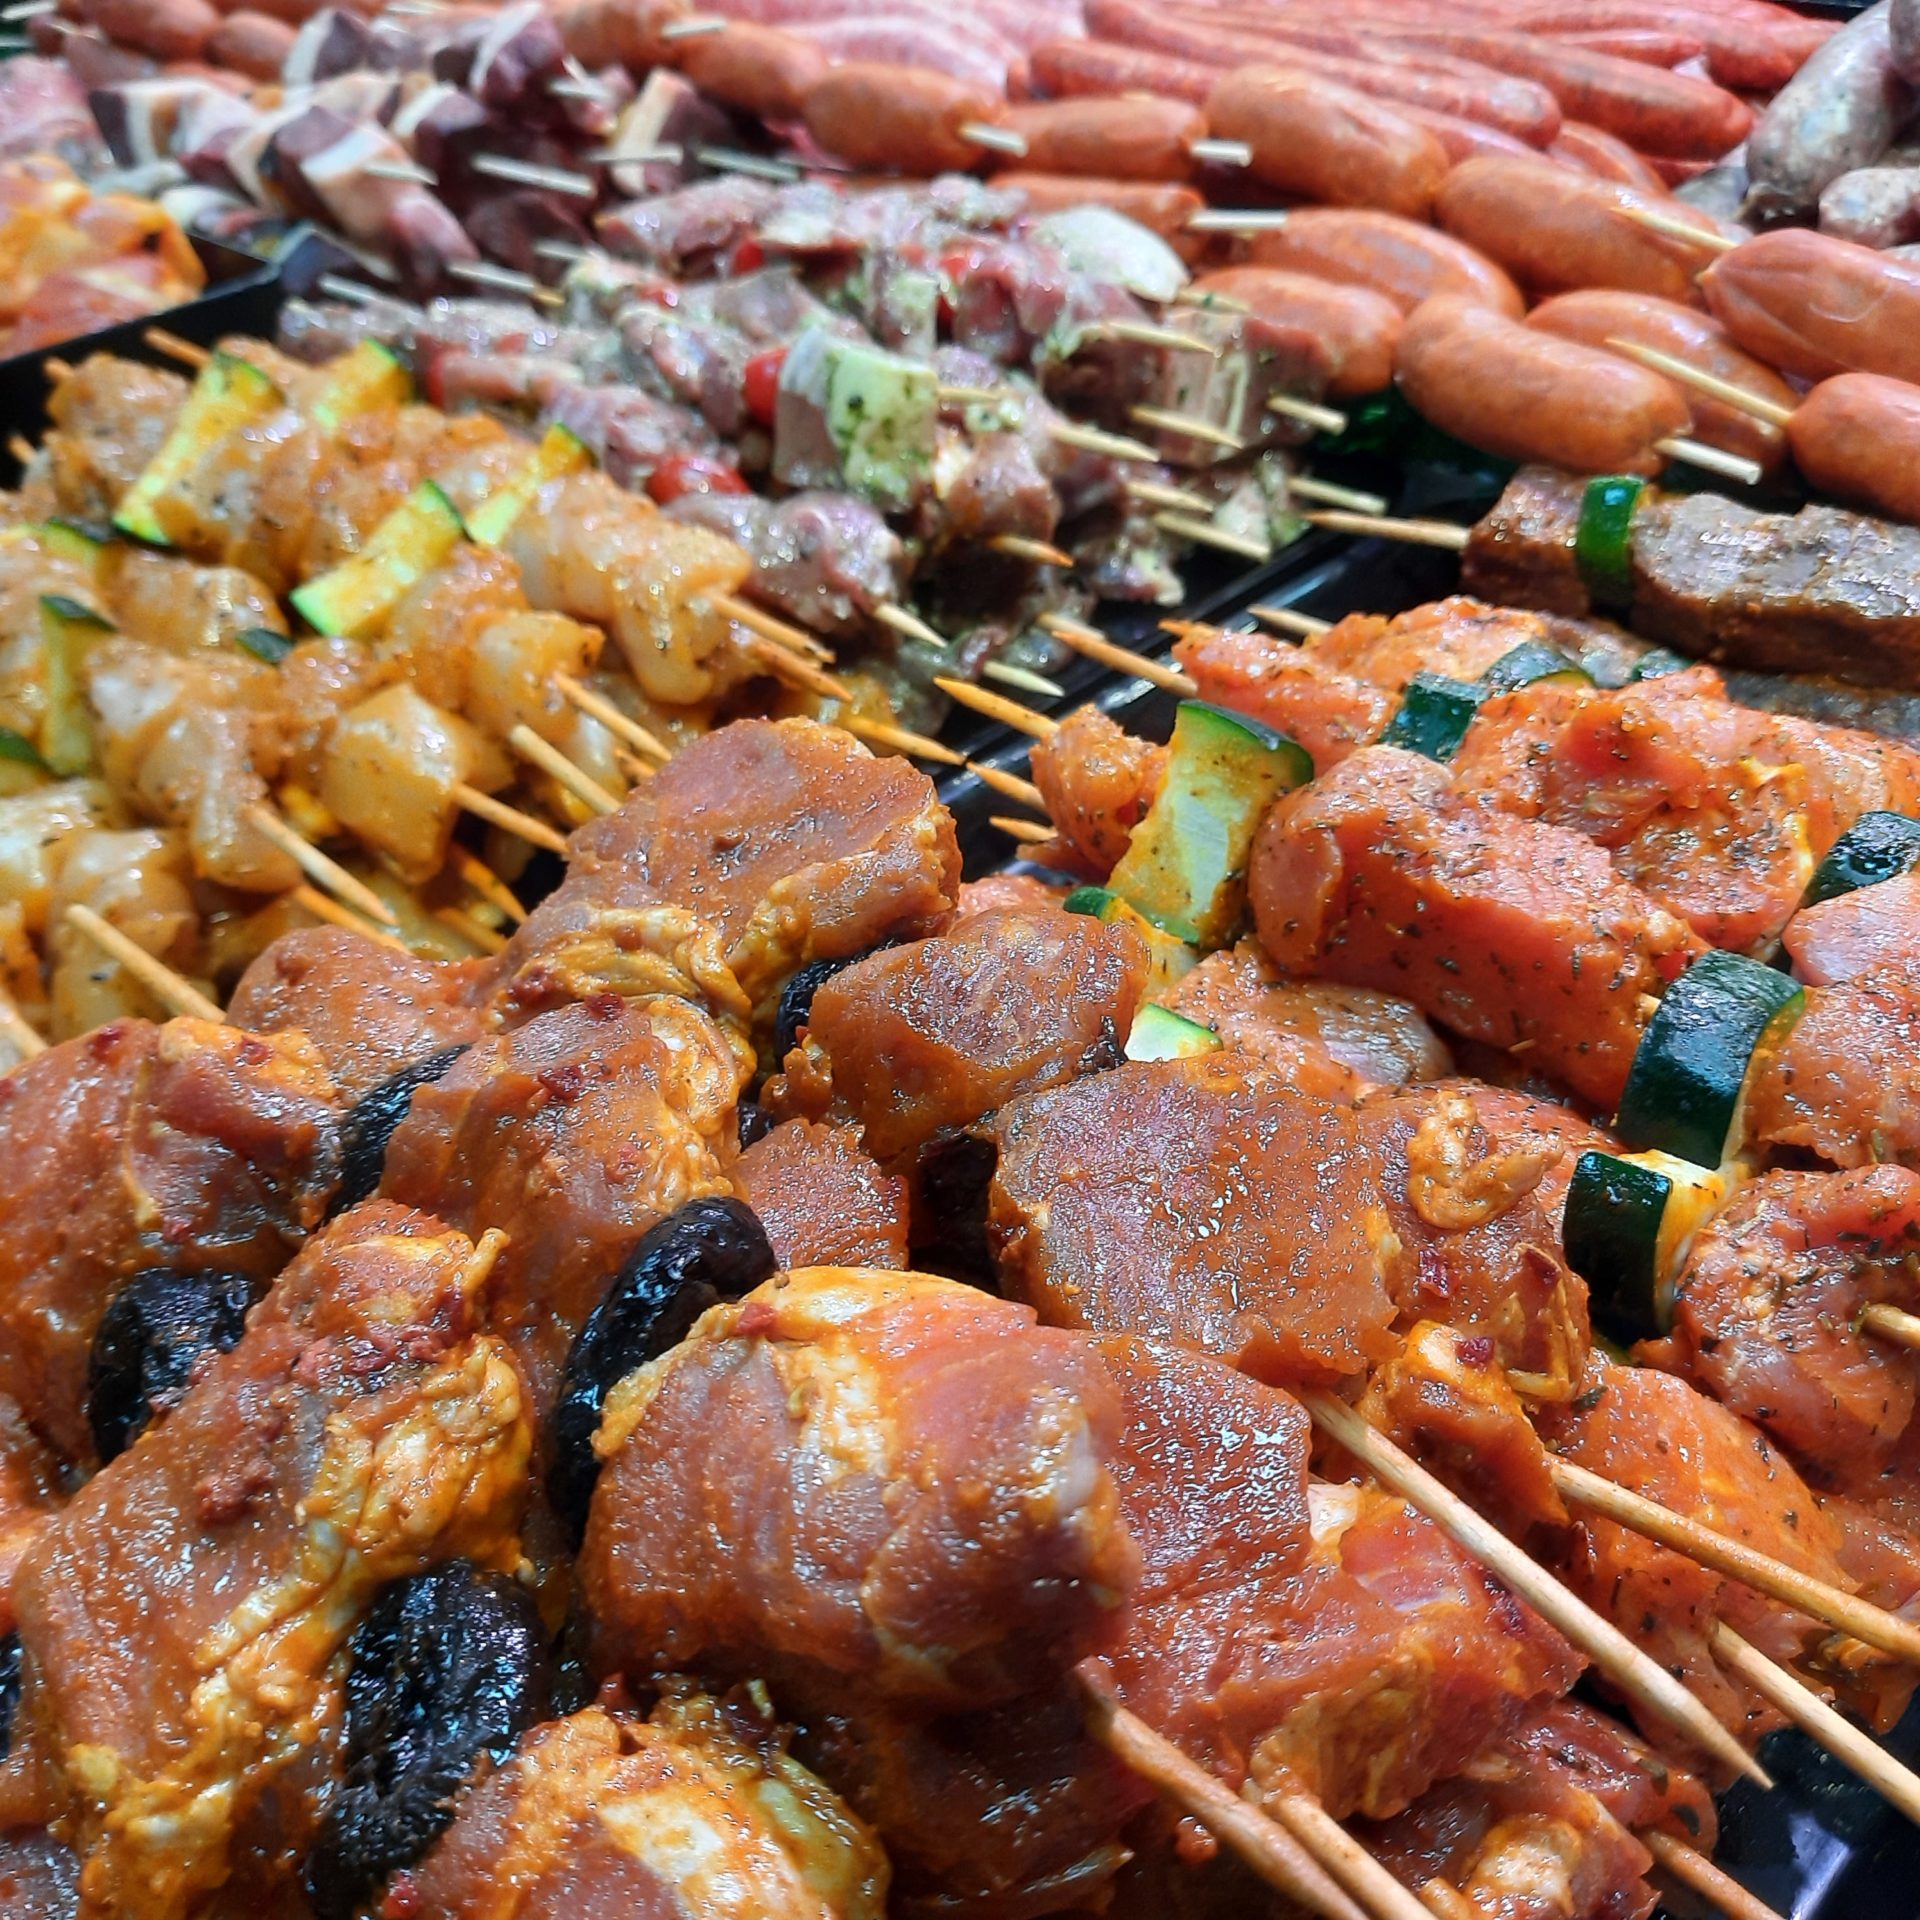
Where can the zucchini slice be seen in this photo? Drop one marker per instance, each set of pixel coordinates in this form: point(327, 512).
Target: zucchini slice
point(357, 595)
point(1629, 1226)
point(1603, 540)
point(369, 378)
point(1530, 663)
point(229, 394)
point(561, 451)
point(1435, 713)
point(1169, 959)
point(1877, 847)
point(266, 644)
point(21, 767)
point(1657, 662)
point(1185, 868)
point(68, 632)
point(1683, 1089)
point(1158, 1033)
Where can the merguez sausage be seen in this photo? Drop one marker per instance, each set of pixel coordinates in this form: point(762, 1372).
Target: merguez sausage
point(904, 119)
point(1600, 154)
point(1815, 306)
point(1100, 68)
point(1131, 139)
point(1839, 112)
point(1159, 205)
point(1598, 316)
point(1402, 259)
point(1530, 396)
point(1555, 230)
point(753, 69)
point(167, 29)
point(1857, 436)
point(255, 44)
point(1327, 143)
point(1360, 329)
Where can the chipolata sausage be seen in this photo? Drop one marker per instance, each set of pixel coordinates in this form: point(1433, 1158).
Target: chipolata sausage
point(1400, 258)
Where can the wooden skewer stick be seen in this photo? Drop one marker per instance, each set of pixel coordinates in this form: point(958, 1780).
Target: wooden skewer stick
point(562, 250)
point(486, 883)
point(1696, 453)
point(1291, 620)
point(1096, 646)
point(1327, 419)
point(1028, 832)
point(57, 370)
point(525, 173)
point(1116, 446)
point(756, 165)
point(1695, 1871)
point(1306, 487)
point(1268, 1848)
point(324, 907)
point(954, 395)
point(406, 172)
point(1209, 301)
point(1157, 494)
point(336, 288)
point(756, 619)
point(487, 939)
point(1043, 553)
point(1010, 784)
point(1657, 222)
point(1344, 1857)
point(1203, 533)
point(1891, 1323)
point(1631, 1669)
point(16, 1031)
point(797, 672)
point(496, 813)
point(1236, 220)
point(20, 447)
point(178, 996)
point(696, 27)
point(1897, 1784)
point(1222, 153)
point(1010, 713)
point(903, 621)
point(175, 348)
point(622, 726)
point(994, 139)
point(1188, 426)
point(1756, 406)
point(638, 771)
point(551, 761)
point(883, 733)
point(1024, 678)
point(483, 273)
point(1761, 1571)
point(1413, 533)
point(322, 869)
point(1144, 333)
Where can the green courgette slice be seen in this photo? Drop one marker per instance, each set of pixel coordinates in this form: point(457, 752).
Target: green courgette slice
point(1435, 713)
point(357, 595)
point(1603, 539)
point(229, 394)
point(561, 451)
point(1158, 1033)
point(1630, 1222)
point(1877, 847)
point(1530, 664)
point(1170, 959)
point(1684, 1088)
point(366, 380)
point(68, 631)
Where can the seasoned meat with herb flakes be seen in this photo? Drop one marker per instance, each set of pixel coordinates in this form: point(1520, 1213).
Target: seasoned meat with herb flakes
point(822, 1198)
point(1098, 781)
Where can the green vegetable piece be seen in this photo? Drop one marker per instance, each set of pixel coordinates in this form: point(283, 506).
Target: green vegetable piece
point(228, 394)
point(1529, 664)
point(17, 750)
point(1877, 847)
point(1657, 662)
point(68, 632)
point(265, 643)
point(880, 411)
point(1435, 713)
point(1185, 867)
point(1170, 959)
point(357, 595)
point(1158, 1033)
point(1629, 1223)
point(73, 542)
point(1603, 541)
point(1684, 1087)
point(561, 451)
point(369, 378)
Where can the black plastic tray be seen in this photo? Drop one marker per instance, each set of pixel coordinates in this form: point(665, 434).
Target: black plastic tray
point(1822, 1846)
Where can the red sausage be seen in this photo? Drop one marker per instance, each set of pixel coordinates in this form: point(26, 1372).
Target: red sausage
point(1554, 229)
point(1359, 328)
point(753, 69)
point(1162, 206)
point(1323, 142)
point(1402, 259)
point(1133, 139)
point(1099, 68)
point(167, 29)
point(255, 44)
point(1646, 44)
point(906, 119)
point(1599, 315)
point(1653, 110)
point(1815, 306)
point(620, 33)
point(1857, 436)
point(1529, 396)
point(1600, 154)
